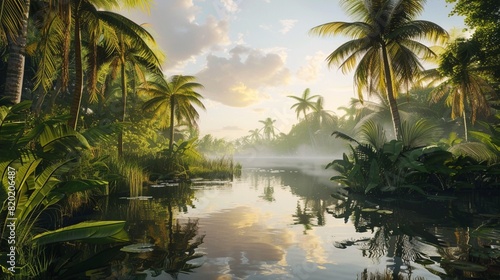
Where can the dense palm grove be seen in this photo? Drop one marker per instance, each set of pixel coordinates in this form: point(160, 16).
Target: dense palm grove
point(87, 111)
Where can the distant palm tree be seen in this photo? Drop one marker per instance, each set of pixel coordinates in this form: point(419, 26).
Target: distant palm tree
point(268, 129)
point(322, 118)
point(177, 96)
point(459, 79)
point(384, 50)
point(304, 104)
point(255, 135)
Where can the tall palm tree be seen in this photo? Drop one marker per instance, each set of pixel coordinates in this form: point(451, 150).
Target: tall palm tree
point(177, 96)
point(459, 79)
point(268, 129)
point(305, 102)
point(14, 16)
point(384, 49)
point(132, 57)
point(129, 35)
point(87, 22)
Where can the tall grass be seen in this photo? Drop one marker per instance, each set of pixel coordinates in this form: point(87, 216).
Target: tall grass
point(218, 168)
point(131, 173)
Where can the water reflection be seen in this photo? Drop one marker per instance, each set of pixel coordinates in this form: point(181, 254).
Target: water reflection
point(284, 224)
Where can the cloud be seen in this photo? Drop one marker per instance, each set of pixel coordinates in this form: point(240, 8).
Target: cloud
point(232, 127)
point(311, 71)
point(226, 8)
point(287, 25)
point(180, 34)
point(241, 79)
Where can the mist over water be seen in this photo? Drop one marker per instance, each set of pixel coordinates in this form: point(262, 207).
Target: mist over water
point(305, 160)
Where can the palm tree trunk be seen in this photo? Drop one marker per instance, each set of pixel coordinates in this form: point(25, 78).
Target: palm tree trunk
point(15, 62)
point(172, 111)
point(466, 132)
point(124, 97)
point(77, 94)
point(393, 105)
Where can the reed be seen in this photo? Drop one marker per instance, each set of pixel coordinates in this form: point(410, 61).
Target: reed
point(216, 168)
point(130, 173)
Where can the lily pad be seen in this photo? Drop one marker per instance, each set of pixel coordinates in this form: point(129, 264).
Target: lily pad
point(138, 248)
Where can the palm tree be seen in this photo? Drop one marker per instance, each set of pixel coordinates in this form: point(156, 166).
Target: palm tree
point(384, 46)
point(132, 57)
point(89, 23)
point(254, 135)
point(176, 96)
point(459, 79)
point(304, 103)
point(14, 16)
point(321, 117)
point(129, 35)
point(268, 128)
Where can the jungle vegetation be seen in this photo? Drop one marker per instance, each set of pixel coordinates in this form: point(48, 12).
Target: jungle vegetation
point(85, 110)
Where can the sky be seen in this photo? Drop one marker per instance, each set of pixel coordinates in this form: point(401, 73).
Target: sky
point(251, 54)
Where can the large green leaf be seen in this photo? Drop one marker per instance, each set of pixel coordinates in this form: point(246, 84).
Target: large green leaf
point(61, 135)
point(94, 232)
point(44, 184)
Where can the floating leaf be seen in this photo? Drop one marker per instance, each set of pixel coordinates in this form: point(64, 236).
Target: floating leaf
point(387, 212)
point(369, 210)
point(138, 248)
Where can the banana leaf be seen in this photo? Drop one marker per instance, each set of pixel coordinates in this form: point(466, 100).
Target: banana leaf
point(54, 137)
point(44, 184)
point(93, 232)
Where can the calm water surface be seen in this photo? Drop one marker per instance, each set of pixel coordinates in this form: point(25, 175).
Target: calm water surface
point(278, 223)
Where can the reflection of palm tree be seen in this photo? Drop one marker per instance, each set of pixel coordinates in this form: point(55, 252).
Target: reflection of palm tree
point(384, 47)
point(302, 217)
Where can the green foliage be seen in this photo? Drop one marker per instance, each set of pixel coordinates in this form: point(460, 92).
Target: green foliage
point(100, 232)
point(394, 167)
point(482, 17)
point(217, 168)
point(43, 155)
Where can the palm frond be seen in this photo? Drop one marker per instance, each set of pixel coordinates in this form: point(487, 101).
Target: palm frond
point(475, 150)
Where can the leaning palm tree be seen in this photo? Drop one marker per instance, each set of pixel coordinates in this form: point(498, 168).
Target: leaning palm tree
point(176, 96)
point(385, 49)
point(304, 104)
point(459, 79)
